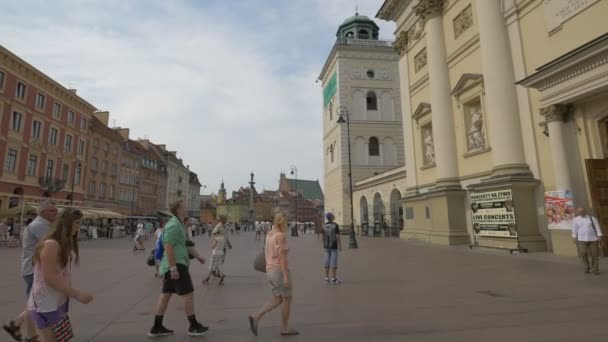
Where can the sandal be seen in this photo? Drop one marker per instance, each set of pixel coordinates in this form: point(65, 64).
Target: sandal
point(290, 333)
point(13, 330)
point(253, 325)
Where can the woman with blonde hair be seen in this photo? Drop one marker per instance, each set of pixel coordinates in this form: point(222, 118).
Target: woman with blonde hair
point(279, 277)
point(52, 288)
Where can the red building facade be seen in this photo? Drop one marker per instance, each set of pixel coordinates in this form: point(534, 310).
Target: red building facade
point(43, 136)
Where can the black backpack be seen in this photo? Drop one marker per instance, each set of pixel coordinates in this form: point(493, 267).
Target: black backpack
point(329, 234)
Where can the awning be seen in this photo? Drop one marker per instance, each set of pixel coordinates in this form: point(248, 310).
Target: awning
point(16, 211)
point(104, 213)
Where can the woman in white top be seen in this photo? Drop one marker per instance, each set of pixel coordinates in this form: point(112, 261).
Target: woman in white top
point(218, 252)
point(138, 244)
point(52, 287)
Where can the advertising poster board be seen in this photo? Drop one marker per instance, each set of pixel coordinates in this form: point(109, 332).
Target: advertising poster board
point(559, 209)
point(493, 214)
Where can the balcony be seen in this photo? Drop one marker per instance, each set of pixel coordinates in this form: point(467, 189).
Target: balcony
point(51, 184)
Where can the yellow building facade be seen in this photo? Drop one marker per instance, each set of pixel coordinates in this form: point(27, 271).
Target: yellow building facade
point(505, 119)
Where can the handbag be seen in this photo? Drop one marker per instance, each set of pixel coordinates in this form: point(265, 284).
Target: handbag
point(259, 263)
point(63, 330)
point(151, 261)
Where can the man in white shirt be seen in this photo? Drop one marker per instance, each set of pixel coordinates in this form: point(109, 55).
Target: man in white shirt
point(587, 233)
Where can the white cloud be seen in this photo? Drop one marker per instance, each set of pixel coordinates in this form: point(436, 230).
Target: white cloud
point(230, 93)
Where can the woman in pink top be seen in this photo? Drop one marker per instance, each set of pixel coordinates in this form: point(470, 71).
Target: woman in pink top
point(48, 302)
point(279, 277)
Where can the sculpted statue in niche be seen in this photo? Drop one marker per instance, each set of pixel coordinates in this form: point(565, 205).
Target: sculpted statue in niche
point(429, 146)
point(475, 135)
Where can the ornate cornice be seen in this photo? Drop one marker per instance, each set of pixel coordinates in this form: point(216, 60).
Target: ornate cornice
point(400, 44)
point(556, 112)
point(427, 9)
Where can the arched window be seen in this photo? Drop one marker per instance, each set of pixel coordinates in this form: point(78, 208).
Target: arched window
point(374, 147)
point(363, 34)
point(372, 101)
point(331, 153)
point(350, 35)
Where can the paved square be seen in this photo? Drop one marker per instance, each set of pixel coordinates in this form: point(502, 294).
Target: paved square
point(393, 290)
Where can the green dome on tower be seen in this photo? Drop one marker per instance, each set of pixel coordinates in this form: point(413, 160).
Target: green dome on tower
point(358, 27)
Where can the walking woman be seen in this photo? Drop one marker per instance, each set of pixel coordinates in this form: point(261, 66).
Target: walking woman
point(49, 299)
point(279, 277)
point(175, 273)
point(218, 252)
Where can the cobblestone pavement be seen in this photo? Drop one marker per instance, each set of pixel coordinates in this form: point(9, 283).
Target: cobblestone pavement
point(393, 290)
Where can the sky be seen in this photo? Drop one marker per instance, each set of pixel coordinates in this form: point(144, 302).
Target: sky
point(229, 85)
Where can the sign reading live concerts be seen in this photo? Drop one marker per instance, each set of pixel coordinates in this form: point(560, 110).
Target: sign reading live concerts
point(493, 214)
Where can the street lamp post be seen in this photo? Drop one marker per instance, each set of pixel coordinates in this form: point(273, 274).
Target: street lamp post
point(76, 170)
point(294, 172)
point(344, 117)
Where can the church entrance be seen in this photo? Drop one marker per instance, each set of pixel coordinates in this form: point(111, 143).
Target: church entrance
point(597, 172)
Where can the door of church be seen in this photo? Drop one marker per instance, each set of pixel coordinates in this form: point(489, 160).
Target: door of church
point(597, 171)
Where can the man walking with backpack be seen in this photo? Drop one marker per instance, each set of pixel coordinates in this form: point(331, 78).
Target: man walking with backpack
point(332, 244)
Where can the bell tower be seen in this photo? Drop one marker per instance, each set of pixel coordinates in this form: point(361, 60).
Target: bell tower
point(360, 77)
point(221, 195)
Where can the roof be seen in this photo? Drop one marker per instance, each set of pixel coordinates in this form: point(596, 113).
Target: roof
point(99, 127)
point(357, 17)
point(66, 91)
point(309, 189)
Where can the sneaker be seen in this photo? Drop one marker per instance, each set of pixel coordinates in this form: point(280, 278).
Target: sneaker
point(327, 279)
point(159, 331)
point(336, 281)
point(197, 330)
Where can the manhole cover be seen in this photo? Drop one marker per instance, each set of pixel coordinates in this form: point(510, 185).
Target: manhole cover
point(491, 293)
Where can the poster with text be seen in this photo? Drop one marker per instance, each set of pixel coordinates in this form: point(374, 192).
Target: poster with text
point(559, 209)
point(493, 214)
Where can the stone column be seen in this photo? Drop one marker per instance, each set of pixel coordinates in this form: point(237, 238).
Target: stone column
point(555, 117)
point(444, 138)
point(501, 98)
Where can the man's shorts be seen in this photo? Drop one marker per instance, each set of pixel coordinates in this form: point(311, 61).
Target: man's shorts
point(181, 286)
point(331, 258)
point(29, 281)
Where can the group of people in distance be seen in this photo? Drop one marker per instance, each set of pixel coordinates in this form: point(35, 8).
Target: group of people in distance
point(50, 248)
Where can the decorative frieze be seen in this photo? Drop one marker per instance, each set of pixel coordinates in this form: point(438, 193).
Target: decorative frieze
point(427, 9)
point(463, 21)
point(420, 60)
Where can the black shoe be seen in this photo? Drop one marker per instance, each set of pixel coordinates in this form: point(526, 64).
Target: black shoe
point(158, 331)
point(197, 330)
point(587, 271)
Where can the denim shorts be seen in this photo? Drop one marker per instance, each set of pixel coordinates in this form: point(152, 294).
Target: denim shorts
point(331, 258)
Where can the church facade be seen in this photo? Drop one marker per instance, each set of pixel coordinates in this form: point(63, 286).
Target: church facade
point(505, 121)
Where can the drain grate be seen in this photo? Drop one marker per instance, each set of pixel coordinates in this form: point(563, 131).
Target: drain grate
point(491, 293)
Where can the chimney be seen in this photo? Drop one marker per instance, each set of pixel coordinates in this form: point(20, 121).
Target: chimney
point(163, 147)
point(124, 133)
point(103, 116)
point(145, 143)
point(73, 91)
